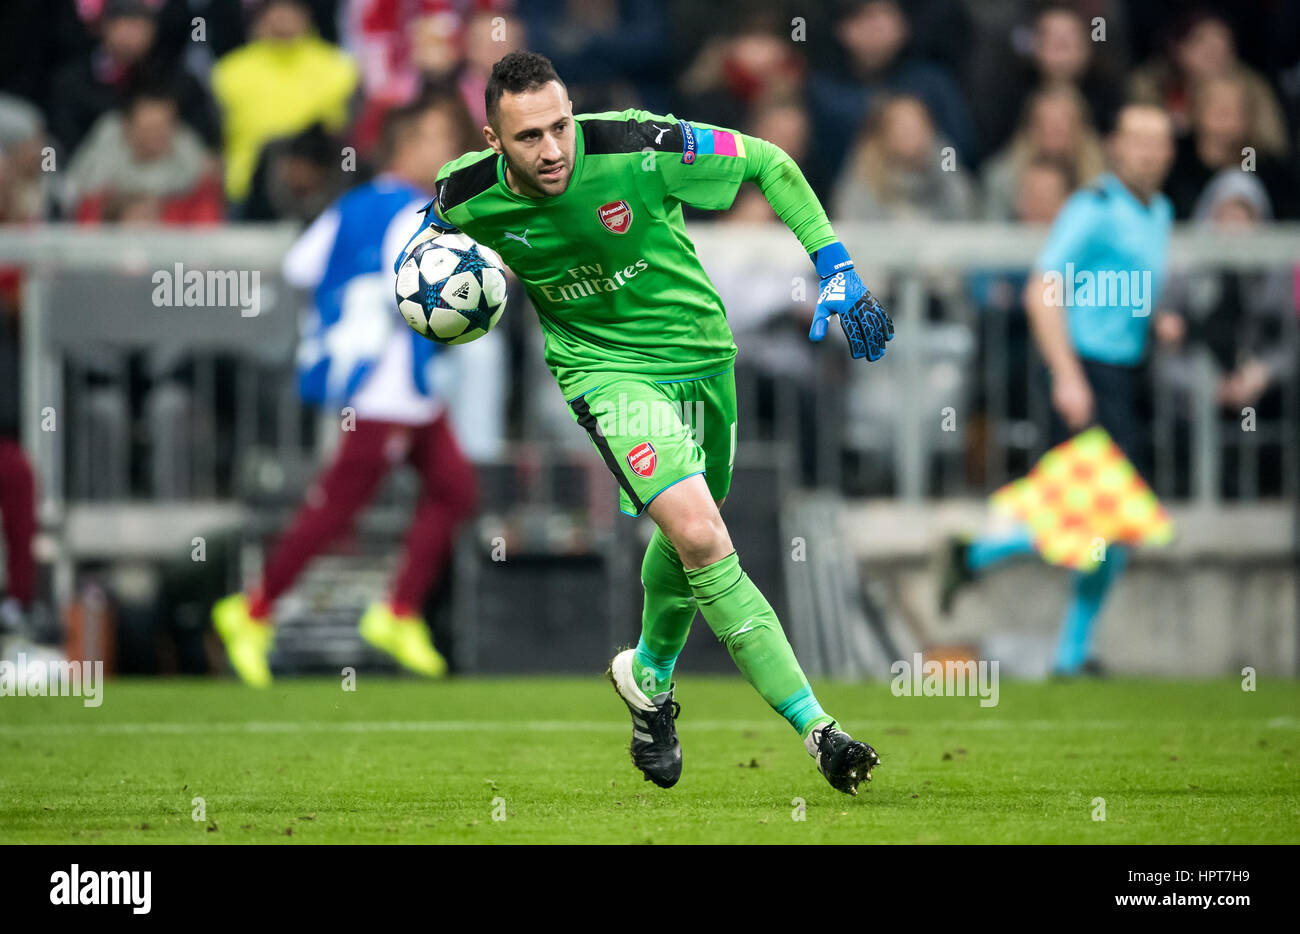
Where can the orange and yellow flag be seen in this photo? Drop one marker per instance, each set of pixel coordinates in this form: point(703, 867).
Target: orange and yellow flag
point(1082, 494)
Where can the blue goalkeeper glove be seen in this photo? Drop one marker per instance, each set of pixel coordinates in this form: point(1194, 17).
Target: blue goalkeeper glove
point(865, 323)
point(431, 220)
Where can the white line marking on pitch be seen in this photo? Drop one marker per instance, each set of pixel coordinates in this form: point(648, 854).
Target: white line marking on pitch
point(574, 726)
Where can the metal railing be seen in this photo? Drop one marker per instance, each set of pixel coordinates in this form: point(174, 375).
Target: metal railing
point(895, 409)
point(89, 315)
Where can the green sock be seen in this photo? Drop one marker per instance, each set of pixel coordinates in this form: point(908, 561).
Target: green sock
point(666, 616)
point(746, 624)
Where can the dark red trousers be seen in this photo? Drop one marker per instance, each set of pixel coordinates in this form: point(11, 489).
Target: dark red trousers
point(18, 515)
point(448, 495)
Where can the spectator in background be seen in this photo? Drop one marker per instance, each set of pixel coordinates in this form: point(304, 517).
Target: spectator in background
point(90, 86)
point(24, 196)
point(1253, 307)
point(1021, 47)
point(443, 47)
point(785, 122)
point(738, 71)
point(1060, 54)
point(1054, 126)
point(17, 481)
point(1224, 123)
point(873, 35)
point(1002, 332)
point(26, 191)
point(486, 41)
point(897, 170)
point(1201, 47)
point(393, 46)
point(36, 37)
point(283, 81)
point(144, 156)
point(1063, 56)
point(612, 53)
point(769, 319)
point(228, 27)
point(1238, 315)
point(1042, 189)
point(298, 176)
point(942, 31)
point(379, 35)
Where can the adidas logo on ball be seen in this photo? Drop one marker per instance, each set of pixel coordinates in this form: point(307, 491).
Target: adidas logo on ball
point(450, 288)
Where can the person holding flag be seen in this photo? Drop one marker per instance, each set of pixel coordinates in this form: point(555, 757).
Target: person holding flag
point(1089, 303)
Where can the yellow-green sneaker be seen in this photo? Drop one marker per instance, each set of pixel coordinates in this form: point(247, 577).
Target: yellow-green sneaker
point(248, 642)
point(406, 638)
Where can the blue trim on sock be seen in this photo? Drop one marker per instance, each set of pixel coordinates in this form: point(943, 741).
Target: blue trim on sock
point(1084, 609)
point(661, 665)
point(801, 709)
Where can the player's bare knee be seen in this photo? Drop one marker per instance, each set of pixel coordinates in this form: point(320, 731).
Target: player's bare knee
point(702, 540)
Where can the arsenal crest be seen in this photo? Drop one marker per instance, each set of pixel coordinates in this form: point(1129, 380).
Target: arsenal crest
point(643, 459)
point(616, 216)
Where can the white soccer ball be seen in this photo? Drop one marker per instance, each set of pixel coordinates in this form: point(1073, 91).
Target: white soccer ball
point(450, 288)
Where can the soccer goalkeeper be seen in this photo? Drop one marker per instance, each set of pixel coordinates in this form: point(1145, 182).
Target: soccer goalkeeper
point(586, 210)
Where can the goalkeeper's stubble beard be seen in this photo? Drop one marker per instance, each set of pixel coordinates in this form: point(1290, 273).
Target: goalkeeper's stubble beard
point(536, 182)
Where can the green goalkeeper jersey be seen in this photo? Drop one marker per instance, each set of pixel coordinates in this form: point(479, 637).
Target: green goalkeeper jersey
point(607, 263)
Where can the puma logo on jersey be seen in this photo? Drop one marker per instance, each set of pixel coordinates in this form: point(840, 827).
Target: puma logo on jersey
point(662, 131)
point(522, 239)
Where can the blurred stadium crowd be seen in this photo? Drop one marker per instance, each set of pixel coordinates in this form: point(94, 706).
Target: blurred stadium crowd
point(203, 111)
point(211, 112)
point(207, 113)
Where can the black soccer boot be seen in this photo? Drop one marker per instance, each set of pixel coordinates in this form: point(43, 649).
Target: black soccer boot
point(953, 572)
point(842, 759)
point(655, 749)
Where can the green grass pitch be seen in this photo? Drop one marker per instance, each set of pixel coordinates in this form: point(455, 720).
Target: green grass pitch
point(403, 761)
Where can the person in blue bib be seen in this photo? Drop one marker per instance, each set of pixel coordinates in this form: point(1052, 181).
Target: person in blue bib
point(359, 358)
point(1089, 302)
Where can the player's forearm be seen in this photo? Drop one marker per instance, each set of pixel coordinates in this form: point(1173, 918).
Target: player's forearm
point(788, 192)
point(1047, 324)
point(867, 326)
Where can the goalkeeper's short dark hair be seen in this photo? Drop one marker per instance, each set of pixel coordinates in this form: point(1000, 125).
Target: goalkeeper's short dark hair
point(517, 72)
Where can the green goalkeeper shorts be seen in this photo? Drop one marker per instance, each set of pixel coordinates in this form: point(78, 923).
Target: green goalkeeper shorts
point(655, 433)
